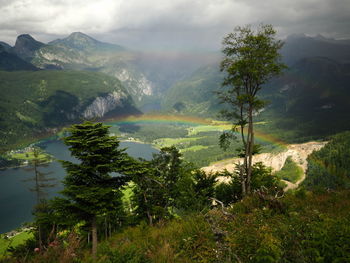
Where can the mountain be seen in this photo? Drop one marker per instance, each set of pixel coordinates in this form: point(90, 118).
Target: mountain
point(297, 47)
point(4, 46)
point(83, 42)
point(310, 100)
point(34, 103)
point(11, 62)
point(146, 75)
point(195, 94)
point(79, 51)
point(26, 46)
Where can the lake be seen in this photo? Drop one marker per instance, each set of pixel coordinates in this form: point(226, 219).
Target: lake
point(16, 199)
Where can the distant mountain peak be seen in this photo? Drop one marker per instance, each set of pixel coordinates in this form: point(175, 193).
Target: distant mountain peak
point(26, 46)
point(27, 40)
point(81, 41)
point(296, 36)
point(25, 36)
point(4, 46)
point(79, 35)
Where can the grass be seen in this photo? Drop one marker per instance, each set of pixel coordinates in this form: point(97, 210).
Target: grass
point(290, 171)
point(199, 144)
point(208, 128)
point(29, 156)
point(194, 148)
point(250, 231)
point(180, 142)
point(13, 241)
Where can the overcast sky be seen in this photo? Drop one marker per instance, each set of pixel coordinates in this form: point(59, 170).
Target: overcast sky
point(169, 24)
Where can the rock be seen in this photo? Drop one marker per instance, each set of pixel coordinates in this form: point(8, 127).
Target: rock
point(101, 105)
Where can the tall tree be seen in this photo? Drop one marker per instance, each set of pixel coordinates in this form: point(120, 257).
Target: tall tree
point(156, 182)
point(251, 59)
point(42, 182)
point(90, 189)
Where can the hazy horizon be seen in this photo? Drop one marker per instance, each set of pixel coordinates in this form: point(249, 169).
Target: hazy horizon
point(169, 25)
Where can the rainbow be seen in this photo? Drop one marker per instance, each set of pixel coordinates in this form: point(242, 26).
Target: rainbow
point(160, 119)
point(269, 139)
point(187, 120)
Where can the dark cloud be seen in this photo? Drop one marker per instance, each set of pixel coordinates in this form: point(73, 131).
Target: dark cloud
point(169, 23)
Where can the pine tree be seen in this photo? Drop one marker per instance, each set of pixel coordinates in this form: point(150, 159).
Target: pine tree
point(41, 183)
point(90, 189)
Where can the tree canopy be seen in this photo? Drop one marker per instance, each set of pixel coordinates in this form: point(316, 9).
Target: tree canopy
point(89, 187)
point(251, 59)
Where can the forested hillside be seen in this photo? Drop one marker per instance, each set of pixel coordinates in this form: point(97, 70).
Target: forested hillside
point(34, 103)
point(330, 167)
point(309, 101)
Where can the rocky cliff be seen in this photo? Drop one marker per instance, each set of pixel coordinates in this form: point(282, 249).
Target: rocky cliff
point(102, 105)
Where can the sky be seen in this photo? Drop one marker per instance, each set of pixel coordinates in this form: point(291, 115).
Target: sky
point(169, 24)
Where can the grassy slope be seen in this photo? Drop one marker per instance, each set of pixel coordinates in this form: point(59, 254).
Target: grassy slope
point(290, 171)
point(34, 101)
point(13, 241)
point(304, 227)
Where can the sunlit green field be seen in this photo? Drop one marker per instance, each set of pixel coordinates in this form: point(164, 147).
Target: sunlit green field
point(198, 144)
point(13, 241)
point(29, 156)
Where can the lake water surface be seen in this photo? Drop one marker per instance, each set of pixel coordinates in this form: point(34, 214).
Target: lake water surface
point(16, 199)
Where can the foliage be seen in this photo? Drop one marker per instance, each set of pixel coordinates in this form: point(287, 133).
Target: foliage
point(181, 240)
point(89, 188)
point(262, 177)
point(167, 185)
point(42, 182)
point(251, 59)
point(196, 190)
point(313, 229)
point(149, 199)
point(290, 171)
point(13, 242)
point(329, 167)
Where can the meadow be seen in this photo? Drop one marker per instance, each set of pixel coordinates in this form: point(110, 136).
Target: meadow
point(17, 239)
point(197, 142)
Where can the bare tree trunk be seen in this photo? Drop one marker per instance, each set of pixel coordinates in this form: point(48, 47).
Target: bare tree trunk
point(106, 228)
point(37, 190)
point(250, 147)
point(242, 178)
point(246, 164)
point(150, 219)
point(94, 237)
point(243, 170)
